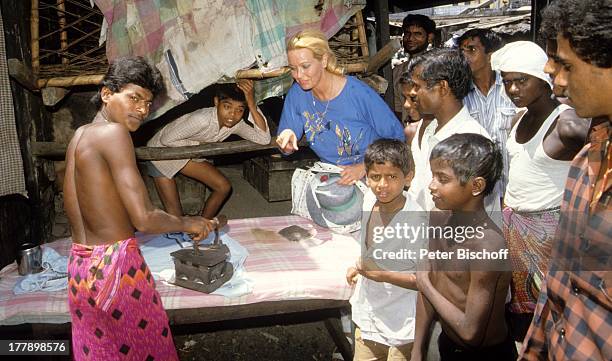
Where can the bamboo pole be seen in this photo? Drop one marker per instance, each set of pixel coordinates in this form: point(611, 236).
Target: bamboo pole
point(68, 81)
point(34, 37)
point(61, 14)
point(383, 55)
point(258, 74)
point(363, 40)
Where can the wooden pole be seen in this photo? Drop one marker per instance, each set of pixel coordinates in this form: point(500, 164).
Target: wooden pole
point(61, 14)
point(58, 151)
point(34, 37)
point(258, 74)
point(383, 56)
point(68, 81)
point(363, 40)
point(383, 36)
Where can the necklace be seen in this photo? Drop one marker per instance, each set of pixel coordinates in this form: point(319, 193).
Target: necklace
point(316, 123)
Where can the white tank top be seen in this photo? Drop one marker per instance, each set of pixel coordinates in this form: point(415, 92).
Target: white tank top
point(535, 180)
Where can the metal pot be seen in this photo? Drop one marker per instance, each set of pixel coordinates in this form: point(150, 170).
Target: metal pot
point(29, 259)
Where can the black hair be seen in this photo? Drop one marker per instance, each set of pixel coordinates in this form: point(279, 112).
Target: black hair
point(406, 78)
point(130, 70)
point(585, 24)
point(488, 38)
point(389, 150)
point(419, 20)
point(229, 91)
point(471, 155)
point(444, 64)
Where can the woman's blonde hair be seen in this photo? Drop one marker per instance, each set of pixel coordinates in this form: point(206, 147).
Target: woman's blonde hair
point(315, 41)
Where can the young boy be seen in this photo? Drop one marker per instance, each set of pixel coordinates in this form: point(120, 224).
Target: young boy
point(384, 301)
point(207, 125)
point(466, 294)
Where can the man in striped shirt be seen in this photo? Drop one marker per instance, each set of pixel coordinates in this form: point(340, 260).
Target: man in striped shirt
point(487, 101)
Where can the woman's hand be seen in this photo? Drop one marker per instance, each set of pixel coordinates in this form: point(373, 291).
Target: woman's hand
point(287, 141)
point(352, 173)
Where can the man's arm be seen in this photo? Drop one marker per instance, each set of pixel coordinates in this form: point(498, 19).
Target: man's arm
point(424, 319)
point(470, 325)
point(117, 149)
point(572, 130)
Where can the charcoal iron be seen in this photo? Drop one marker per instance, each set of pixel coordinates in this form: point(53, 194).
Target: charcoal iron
point(205, 268)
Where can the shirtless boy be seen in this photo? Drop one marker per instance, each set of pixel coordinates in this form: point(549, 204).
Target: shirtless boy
point(467, 296)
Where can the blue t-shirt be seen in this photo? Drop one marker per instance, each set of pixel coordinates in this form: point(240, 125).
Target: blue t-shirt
point(339, 131)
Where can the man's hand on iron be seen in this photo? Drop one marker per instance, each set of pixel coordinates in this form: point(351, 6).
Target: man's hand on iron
point(199, 228)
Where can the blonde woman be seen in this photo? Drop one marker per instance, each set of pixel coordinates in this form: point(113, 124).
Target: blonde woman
point(339, 115)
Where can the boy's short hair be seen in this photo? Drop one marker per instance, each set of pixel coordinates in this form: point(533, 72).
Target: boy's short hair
point(444, 64)
point(585, 24)
point(389, 150)
point(419, 20)
point(490, 40)
point(130, 70)
point(229, 91)
point(471, 155)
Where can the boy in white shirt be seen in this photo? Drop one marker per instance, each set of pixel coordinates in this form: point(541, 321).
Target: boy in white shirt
point(384, 301)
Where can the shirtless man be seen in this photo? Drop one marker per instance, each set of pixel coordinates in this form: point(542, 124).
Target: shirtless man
point(466, 295)
point(115, 309)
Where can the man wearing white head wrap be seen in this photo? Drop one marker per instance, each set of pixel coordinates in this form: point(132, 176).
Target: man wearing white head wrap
point(521, 56)
point(541, 145)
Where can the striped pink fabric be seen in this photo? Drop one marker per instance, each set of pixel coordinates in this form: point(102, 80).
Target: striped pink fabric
point(281, 270)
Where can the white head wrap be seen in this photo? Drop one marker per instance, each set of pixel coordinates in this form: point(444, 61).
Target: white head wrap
point(522, 57)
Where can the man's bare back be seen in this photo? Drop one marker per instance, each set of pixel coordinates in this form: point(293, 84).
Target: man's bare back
point(105, 197)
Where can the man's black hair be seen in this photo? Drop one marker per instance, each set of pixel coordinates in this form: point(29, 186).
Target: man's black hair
point(389, 150)
point(229, 91)
point(585, 24)
point(444, 64)
point(488, 38)
point(130, 70)
point(419, 20)
point(471, 155)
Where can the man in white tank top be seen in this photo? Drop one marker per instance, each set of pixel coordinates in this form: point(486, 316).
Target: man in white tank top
point(542, 142)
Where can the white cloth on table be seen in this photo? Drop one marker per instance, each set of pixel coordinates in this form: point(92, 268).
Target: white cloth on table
point(54, 276)
point(157, 254)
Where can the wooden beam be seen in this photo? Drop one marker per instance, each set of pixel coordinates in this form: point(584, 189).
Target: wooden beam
point(68, 81)
point(383, 36)
point(22, 74)
point(58, 150)
point(383, 56)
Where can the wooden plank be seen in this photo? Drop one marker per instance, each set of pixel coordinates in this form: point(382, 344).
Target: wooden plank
point(22, 74)
point(57, 150)
point(383, 36)
point(383, 56)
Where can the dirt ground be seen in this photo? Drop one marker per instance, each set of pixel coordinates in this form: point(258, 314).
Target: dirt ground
point(308, 341)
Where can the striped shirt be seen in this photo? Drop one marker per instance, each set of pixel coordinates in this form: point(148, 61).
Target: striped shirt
point(494, 112)
point(573, 317)
point(200, 126)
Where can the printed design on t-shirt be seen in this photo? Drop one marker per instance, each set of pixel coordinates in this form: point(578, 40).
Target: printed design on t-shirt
point(315, 124)
point(348, 148)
